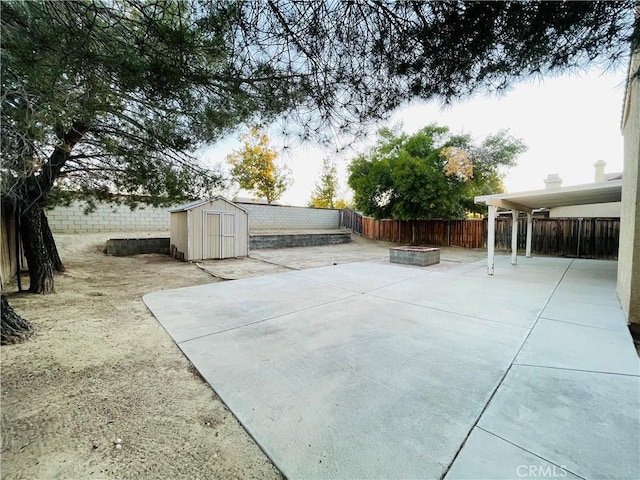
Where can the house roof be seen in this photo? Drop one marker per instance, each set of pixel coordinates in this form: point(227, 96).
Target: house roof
point(197, 203)
point(604, 192)
point(255, 201)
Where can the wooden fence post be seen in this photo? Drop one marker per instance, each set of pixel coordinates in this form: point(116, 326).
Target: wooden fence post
point(579, 236)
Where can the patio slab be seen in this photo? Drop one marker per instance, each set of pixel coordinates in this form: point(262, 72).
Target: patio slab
point(486, 456)
point(192, 312)
point(586, 422)
point(359, 388)
point(372, 370)
point(589, 314)
point(362, 277)
point(578, 347)
point(490, 298)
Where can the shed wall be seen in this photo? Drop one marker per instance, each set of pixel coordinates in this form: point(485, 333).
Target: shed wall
point(178, 231)
point(196, 227)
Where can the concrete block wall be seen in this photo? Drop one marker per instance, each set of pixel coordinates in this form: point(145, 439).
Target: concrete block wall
point(279, 217)
point(107, 218)
point(117, 218)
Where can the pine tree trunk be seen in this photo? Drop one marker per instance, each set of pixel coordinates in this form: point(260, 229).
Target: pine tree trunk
point(36, 251)
point(50, 245)
point(13, 328)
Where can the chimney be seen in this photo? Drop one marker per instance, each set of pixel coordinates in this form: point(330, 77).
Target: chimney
point(600, 164)
point(553, 180)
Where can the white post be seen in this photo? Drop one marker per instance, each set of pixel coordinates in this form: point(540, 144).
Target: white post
point(514, 237)
point(491, 238)
point(529, 233)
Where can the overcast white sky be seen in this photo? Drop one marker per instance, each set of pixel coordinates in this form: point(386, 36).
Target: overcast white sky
point(568, 123)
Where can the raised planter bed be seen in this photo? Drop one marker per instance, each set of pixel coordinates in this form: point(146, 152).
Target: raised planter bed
point(419, 256)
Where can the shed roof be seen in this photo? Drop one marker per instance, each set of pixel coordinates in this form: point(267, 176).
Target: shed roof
point(197, 203)
point(604, 192)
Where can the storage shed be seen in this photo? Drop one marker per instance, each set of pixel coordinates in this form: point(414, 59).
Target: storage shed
point(209, 229)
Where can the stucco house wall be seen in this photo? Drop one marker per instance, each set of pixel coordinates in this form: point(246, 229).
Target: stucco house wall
point(595, 210)
point(628, 285)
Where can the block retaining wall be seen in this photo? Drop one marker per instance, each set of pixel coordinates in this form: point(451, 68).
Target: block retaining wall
point(259, 242)
point(122, 247)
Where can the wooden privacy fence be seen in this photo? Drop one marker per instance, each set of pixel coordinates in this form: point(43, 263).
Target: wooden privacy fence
point(567, 237)
point(459, 233)
point(8, 257)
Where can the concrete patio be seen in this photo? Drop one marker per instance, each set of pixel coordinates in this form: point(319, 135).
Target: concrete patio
point(372, 370)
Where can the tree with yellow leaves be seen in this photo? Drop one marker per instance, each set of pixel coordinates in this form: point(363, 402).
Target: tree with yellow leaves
point(326, 192)
point(254, 167)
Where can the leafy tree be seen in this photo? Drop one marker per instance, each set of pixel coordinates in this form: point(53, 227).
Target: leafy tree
point(326, 191)
point(254, 167)
point(431, 174)
point(490, 160)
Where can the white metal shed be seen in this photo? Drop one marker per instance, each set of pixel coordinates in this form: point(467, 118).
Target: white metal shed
point(209, 229)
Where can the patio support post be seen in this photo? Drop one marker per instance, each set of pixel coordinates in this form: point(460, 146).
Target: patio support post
point(529, 233)
point(491, 238)
point(514, 237)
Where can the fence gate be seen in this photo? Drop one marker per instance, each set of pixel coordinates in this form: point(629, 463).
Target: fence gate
point(351, 219)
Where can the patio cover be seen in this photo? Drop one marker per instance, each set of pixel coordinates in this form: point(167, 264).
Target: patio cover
point(604, 192)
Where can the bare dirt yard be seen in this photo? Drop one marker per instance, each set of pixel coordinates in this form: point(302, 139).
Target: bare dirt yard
point(101, 391)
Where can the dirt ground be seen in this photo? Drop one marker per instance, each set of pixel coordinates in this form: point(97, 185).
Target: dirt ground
point(101, 391)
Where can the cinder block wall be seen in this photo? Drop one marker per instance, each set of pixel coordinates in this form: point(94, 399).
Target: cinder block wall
point(279, 217)
point(113, 218)
point(107, 218)
point(122, 247)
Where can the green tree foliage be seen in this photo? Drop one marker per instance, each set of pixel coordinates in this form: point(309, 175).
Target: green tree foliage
point(358, 60)
point(326, 193)
point(115, 97)
point(431, 174)
point(254, 167)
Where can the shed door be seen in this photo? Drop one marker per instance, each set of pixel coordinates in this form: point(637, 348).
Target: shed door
point(220, 234)
point(228, 247)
